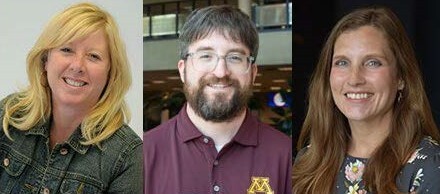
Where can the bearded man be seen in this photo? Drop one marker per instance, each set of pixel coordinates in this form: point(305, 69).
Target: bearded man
point(214, 144)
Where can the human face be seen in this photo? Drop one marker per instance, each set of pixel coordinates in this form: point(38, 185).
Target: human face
point(77, 72)
point(218, 95)
point(363, 77)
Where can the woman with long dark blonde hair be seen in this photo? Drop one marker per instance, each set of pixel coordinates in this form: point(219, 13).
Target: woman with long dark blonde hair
point(369, 126)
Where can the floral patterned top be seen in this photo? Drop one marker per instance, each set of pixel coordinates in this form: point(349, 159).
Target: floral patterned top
point(420, 175)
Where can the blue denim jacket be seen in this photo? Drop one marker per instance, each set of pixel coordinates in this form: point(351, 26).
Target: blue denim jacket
point(29, 165)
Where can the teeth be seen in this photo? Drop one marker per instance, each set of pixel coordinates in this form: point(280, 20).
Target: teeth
point(217, 85)
point(357, 96)
point(74, 83)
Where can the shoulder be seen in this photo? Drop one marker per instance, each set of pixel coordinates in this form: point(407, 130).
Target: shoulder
point(423, 167)
point(273, 136)
point(273, 142)
point(427, 151)
point(123, 141)
point(122, 150)
point(161, 132)
point(2, 108)
point(426, 154)
point(13, 96)
point(120, 157)
point(159, 142)
point(430, 145)
point(3, 102)
point(4, 99)
point(9, 100)
point(125, 134)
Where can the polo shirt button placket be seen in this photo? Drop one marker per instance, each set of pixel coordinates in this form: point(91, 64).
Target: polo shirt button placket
point(206, 140)
point(216, 188)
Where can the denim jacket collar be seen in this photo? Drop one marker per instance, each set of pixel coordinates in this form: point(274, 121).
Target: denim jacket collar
point(74, 140)
point(40, 129)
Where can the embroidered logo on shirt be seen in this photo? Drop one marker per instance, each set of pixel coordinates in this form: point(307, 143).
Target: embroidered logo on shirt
point(260, 185)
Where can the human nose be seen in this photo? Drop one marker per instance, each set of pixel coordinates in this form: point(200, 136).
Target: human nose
point(77, 63)
point(221, 68)
point(356, 76)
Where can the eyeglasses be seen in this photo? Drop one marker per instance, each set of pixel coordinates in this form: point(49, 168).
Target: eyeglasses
point(205, 61)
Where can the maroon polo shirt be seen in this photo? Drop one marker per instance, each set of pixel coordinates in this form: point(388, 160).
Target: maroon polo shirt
point(179, 159)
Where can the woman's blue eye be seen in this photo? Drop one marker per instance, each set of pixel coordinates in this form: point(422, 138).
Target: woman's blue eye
point(341, 63)
point(374, 63)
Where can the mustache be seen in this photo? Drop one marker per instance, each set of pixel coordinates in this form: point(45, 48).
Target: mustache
point(215, 80)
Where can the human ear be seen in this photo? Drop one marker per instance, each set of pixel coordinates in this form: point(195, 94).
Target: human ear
point(181, 67)
point(254, 72)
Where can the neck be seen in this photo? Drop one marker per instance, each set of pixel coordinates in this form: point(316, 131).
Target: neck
point(220, 132)
point(366, 137)
point(65, 120)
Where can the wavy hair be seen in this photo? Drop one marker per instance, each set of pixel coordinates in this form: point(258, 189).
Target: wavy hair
point(326, 129)
point(32, 105)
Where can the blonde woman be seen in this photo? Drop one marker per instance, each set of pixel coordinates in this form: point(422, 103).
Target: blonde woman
point(66, 132)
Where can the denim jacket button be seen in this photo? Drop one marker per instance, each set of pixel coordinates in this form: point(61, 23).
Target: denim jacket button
point(46, 191)
point(6, 162)
point(64, 151)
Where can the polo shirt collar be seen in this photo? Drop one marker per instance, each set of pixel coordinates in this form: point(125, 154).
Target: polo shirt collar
point(185, 127)
point(249, 130)
point(247, 133)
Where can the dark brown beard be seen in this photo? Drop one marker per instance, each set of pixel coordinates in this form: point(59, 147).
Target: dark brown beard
point(219, 109)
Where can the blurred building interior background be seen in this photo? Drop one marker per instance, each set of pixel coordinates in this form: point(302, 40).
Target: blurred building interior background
point(162, 87)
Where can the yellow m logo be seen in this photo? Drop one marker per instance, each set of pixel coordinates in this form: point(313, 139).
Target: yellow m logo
point(260, 185)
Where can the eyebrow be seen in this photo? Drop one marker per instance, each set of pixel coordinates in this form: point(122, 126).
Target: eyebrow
point(237, 50)
point(204, 48)
point(387, 58)
point(234, 50)
point(338, 57)
point(366, 56)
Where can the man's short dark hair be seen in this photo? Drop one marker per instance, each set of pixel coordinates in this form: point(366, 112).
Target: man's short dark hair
point(224, 19)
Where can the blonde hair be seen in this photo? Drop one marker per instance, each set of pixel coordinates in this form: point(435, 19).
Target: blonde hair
point(32, 106)
point(326, 128)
